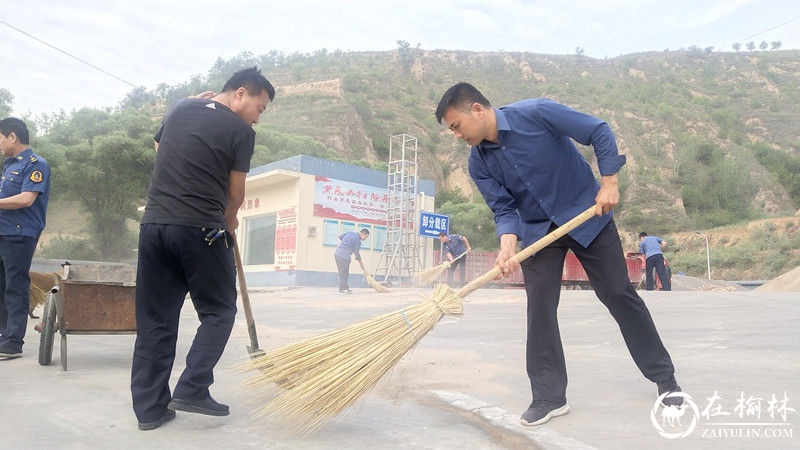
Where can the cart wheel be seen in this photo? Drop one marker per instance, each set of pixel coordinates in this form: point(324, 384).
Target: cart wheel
point(48, 330)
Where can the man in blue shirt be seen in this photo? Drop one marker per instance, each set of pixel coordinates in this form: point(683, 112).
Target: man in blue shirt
point(455, 247)
point(533, 178)
point(24, 191)
point(349, 244)
point(652, 246)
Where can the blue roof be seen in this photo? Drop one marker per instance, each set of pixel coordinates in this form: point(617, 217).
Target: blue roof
point(341, 171)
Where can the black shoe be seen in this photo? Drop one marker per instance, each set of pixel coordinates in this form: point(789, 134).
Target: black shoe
point(208, 407)
point(8, 354)
point(669, 386)
point(166, 417)
point(541, 411)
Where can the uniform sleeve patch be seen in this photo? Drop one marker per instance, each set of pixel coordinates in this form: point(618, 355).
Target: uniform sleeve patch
point(37, 176)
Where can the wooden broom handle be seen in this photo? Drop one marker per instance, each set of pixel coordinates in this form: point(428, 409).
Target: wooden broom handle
point(529, 251)
point(248, 311)
point(459, 256)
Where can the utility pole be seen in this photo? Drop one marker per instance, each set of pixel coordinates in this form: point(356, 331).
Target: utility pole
point(708, 254)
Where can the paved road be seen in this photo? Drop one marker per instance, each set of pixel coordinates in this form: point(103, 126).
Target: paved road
point(464, 385)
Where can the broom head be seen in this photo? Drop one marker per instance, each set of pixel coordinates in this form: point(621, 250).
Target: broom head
point(375, 285)
point(302, 386)
point(41, 283)
point(431, 274)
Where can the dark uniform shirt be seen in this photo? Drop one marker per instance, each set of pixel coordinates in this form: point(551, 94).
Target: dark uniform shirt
point(455, 246)
point(26, 172)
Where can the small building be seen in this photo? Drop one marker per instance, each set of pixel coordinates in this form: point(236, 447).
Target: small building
point(296, 208)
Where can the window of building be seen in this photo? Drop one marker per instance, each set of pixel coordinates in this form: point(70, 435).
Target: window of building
point(378, 238)
point(332, 229)
point(260, 232)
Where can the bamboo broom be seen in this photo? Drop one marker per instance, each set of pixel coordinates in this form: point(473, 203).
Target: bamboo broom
point(432, 274)
point(375, 285)
point(41, 283)
point(305, 385)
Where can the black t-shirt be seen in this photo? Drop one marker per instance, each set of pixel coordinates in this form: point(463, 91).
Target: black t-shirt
point(200, 141)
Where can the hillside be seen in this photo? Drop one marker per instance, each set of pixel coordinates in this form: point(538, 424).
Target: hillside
point(756, 250)
point(711, 138)
point(688, 121)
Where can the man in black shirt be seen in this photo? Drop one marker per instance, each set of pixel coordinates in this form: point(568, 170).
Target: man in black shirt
point(203, 155)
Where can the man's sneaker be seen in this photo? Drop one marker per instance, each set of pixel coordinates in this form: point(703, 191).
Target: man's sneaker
point(541, 411)
point(208, 406)
point(668, 386)
point(8, 354)
point(344, 292)
point(166, 417)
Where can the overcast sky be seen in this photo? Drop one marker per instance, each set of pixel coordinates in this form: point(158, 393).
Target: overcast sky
point(146, 42)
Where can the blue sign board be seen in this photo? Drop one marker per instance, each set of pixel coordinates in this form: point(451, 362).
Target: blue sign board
point(432, 224)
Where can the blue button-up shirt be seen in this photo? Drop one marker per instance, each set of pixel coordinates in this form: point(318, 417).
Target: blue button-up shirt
point(350, 244)
point(536, 176)
point(650, 245)
point(26, 172)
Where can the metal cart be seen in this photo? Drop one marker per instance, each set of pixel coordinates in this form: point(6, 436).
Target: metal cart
point(89, 299)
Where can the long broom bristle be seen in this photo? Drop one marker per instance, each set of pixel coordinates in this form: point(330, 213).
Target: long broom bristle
point(375, 285)
point(431, 274)
point(41, 283)
point(37, 296)
point(310, 382)
point(306, 384)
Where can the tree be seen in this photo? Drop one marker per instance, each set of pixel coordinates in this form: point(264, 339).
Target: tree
point(763, 45)
point(579, 51)
point(475, 221)
point(751, 46)
point(104, 162)
point(737, 46)
point(454, 196)
point(6, 101)
point(138, 98)
point(405, 55)
point(775, 45)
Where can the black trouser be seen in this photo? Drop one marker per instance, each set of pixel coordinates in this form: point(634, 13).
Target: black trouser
point(656, 261)
point(458, 264)
point(16, 253)
point(605, 265)
point(174, 260)
point(343, 265)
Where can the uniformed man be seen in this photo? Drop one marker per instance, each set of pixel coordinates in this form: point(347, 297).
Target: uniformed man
point(24, 191)
point(455, 248)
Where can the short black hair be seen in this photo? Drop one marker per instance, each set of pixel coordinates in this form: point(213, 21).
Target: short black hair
point(442, 233)
point(13, 125)
point(642, 234)
point(251, 79)
point(460, 95)
point(365, 231)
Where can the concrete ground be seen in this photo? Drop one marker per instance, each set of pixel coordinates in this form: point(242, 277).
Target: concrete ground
point(464, 386)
